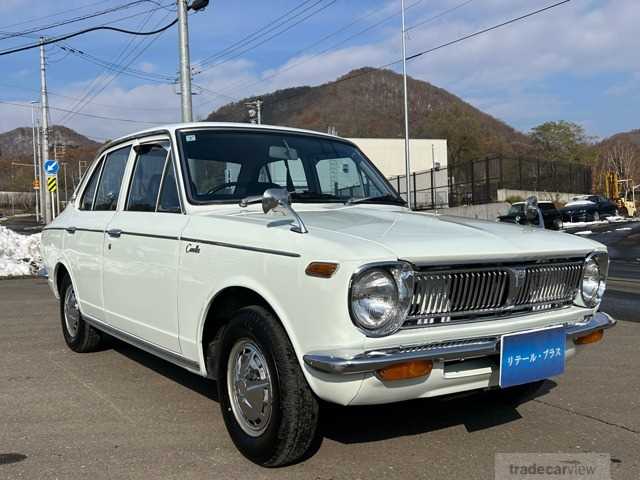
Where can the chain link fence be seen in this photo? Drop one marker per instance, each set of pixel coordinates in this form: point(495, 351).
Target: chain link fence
point(478, 181)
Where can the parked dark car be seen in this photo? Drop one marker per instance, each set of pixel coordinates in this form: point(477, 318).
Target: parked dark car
point(588, 208)
point(550, 215)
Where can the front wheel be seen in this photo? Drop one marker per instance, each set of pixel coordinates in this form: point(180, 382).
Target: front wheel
point(269, 410)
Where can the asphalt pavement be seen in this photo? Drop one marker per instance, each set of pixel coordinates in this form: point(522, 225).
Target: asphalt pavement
point(121, 413)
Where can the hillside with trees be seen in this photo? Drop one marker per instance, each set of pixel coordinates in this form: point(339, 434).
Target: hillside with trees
point(368, 103)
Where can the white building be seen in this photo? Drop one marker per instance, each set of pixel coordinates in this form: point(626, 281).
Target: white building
point(388, 155)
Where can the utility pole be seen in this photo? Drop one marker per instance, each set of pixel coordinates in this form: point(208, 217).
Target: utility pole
point(255, 111)
point(185, 63)
point(48, 213)
point(35, 161)
point(406, 111)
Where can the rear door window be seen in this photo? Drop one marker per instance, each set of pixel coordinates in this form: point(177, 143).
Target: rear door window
point(111, 179)
point(90, 190)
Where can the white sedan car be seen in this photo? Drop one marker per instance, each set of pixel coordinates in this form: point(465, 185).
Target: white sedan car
point(281, 263)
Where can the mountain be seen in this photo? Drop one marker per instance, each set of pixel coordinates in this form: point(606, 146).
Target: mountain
point(16, 154)
point(17, 142)
point(368, 103)
point(632, 136)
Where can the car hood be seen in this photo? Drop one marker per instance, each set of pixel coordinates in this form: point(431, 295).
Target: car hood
point(423, 237)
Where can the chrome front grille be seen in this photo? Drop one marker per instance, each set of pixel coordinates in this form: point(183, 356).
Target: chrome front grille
point(459, 294)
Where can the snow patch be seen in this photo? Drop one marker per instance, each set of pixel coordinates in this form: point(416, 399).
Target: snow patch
point(19, 254)
point(583, 232)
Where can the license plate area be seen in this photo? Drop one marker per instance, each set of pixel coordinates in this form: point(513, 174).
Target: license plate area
point(530, 356)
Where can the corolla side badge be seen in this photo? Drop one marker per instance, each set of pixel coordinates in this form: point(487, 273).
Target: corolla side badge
point(277, 200)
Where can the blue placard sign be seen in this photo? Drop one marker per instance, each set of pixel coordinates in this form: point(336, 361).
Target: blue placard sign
point(51, 167)
point(530, 356)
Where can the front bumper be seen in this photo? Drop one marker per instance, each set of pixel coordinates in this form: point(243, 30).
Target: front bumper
point(342, 363)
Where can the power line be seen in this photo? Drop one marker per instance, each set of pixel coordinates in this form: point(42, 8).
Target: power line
point(82, 32)
point(438, 47)
point(289, 27)
point(74, 19)
point(480, 32)
point(69, 97)
point(108, 65)
point(326, 50)
point(439, 15)
point(91, 115)
point(251, 35)
point(115, 75)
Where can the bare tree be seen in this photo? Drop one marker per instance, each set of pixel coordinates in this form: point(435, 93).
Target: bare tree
point(623, 158)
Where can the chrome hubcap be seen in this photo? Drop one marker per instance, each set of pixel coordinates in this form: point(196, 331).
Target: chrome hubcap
point(71, 312)
point(249, 386)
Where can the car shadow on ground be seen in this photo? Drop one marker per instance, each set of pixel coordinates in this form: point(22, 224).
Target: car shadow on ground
point(478, 410)
point(361, 424)
point(201, 385)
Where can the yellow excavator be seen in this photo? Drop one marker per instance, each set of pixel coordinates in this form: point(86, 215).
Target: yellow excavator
point(626, 203)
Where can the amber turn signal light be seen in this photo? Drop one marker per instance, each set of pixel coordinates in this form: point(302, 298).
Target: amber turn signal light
point(321, 269)
point(406, 370)
point(593, 337)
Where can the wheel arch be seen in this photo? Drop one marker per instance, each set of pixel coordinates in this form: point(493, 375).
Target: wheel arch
point(220, 308)
point(59, 271)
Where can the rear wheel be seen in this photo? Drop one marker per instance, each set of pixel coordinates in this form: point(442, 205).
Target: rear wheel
point(269, 410)
point(78, 334)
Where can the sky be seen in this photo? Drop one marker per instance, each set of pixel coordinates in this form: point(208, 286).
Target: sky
point(577, 62)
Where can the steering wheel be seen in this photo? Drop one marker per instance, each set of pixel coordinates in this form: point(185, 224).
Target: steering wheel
point(220, 187)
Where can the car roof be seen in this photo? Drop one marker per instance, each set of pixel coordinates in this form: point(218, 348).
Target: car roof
point(539, 201)
point(221, 125)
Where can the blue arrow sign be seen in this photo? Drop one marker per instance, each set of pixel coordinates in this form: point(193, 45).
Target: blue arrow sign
point(51, 167)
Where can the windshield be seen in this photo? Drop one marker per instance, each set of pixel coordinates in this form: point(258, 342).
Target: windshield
point(516, 209)
point(227, 166)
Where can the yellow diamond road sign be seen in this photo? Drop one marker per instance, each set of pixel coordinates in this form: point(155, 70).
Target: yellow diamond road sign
point(52, 184)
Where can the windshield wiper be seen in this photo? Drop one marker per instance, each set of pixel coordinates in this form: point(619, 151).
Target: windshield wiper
point(388, 198)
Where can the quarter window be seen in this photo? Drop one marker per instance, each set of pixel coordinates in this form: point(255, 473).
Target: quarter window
point(145, 185)
point(169, 201)
point(111, 179)
point(90, 189)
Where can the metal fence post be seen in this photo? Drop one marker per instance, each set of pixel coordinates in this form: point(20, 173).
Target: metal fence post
point(433, 190)
point(473, 183)
point(487, 180)
point(415, 193)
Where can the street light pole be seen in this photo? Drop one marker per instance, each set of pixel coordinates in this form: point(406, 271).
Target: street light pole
point(47, 204)
point(35, 160)
point(406, 112)
point(185, 63)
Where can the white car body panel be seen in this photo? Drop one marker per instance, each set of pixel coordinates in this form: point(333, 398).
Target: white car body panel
point(150, 287)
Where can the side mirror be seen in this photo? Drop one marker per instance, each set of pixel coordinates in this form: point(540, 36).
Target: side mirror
point(272, 198)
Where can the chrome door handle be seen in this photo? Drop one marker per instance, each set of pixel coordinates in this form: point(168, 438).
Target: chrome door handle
point(114, 232)
point(71, 229)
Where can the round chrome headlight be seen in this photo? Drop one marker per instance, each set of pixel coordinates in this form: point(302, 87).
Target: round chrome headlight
point(380, 297)
point(594, 279)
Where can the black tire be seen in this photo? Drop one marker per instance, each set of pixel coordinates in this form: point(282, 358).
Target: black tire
point(291, 428)
point(85, 338)
point(519, 393)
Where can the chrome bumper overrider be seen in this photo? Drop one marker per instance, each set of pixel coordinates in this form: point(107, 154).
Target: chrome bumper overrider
point(343, 363)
